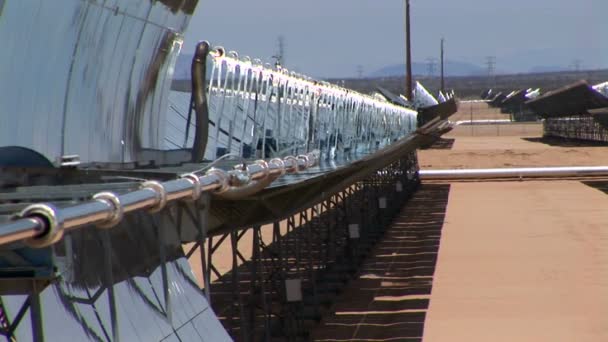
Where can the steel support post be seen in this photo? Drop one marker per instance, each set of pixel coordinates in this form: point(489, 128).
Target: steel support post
point(254, 278)
point(110, 280)
point(237, 304)
point(211, 248)
point(257, 286)
point(202, 218)
point(306, 224)
point(36, 314)
point(330, 242)
point(161, 231)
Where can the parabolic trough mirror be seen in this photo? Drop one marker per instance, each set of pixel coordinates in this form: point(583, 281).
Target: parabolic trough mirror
point(108, 171)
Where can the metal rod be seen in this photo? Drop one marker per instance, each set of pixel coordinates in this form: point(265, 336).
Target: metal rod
point(20, 230)
point(519, 173)
point(36, 314)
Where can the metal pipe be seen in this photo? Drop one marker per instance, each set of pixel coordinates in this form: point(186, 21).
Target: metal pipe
point(137, 200)
point(517, 173)
point(199, 98)
point(178, 189)
point(27, 228)
point(490, 122)
point(246, 190)
point(85, 213)
point(41, 225)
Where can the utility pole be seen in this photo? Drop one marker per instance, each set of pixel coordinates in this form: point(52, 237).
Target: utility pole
point(442, 68)
point(408, 53)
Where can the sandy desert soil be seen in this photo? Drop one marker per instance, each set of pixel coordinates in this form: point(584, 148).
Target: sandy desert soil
point(477, 111)
point(522, 262)
point(530, 129)
point(511, 151)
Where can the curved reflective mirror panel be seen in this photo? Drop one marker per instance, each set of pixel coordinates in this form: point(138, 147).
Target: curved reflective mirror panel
point(88, 77)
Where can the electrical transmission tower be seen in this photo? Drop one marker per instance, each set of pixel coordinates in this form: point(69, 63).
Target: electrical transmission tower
point(279, 57)
point(359, 71)
point(491, 67)
point(431, 66)
point(576, 65)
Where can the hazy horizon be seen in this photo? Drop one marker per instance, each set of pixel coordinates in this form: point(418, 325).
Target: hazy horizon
point(330, 39)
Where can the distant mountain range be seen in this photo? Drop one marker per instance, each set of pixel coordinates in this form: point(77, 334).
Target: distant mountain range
point(514, 64)
point(452, 68)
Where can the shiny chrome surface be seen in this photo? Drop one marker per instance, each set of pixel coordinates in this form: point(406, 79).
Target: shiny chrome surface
point(21, 230)
point(107, 209)
point(517, 173)
point(88, 77)
point(259, 111)
point(91, 212)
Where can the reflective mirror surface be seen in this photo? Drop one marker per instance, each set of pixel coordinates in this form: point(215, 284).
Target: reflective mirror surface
point(131, 283)
point(88, 77)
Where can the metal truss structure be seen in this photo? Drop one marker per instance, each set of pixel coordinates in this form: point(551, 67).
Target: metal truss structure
point(300, 262)
point(577, 128)
point(577, 111)
point(113, 284)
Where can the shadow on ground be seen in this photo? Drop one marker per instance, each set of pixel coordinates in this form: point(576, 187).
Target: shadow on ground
point(389, 298)
point(598, 185)
point(562, 142)
point(441, 144)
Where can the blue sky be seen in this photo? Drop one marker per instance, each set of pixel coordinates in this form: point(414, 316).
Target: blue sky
point(326, 38)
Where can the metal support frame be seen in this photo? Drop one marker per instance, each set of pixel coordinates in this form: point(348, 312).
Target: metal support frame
point(298, 263)
point(575, 127)
point(311, 251)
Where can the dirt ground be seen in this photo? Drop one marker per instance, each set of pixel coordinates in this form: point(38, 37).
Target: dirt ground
point(506, 145)
point(468, 110)
point(522, 261)
point(531, 129)
point(519, 261)
point(511, 151)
